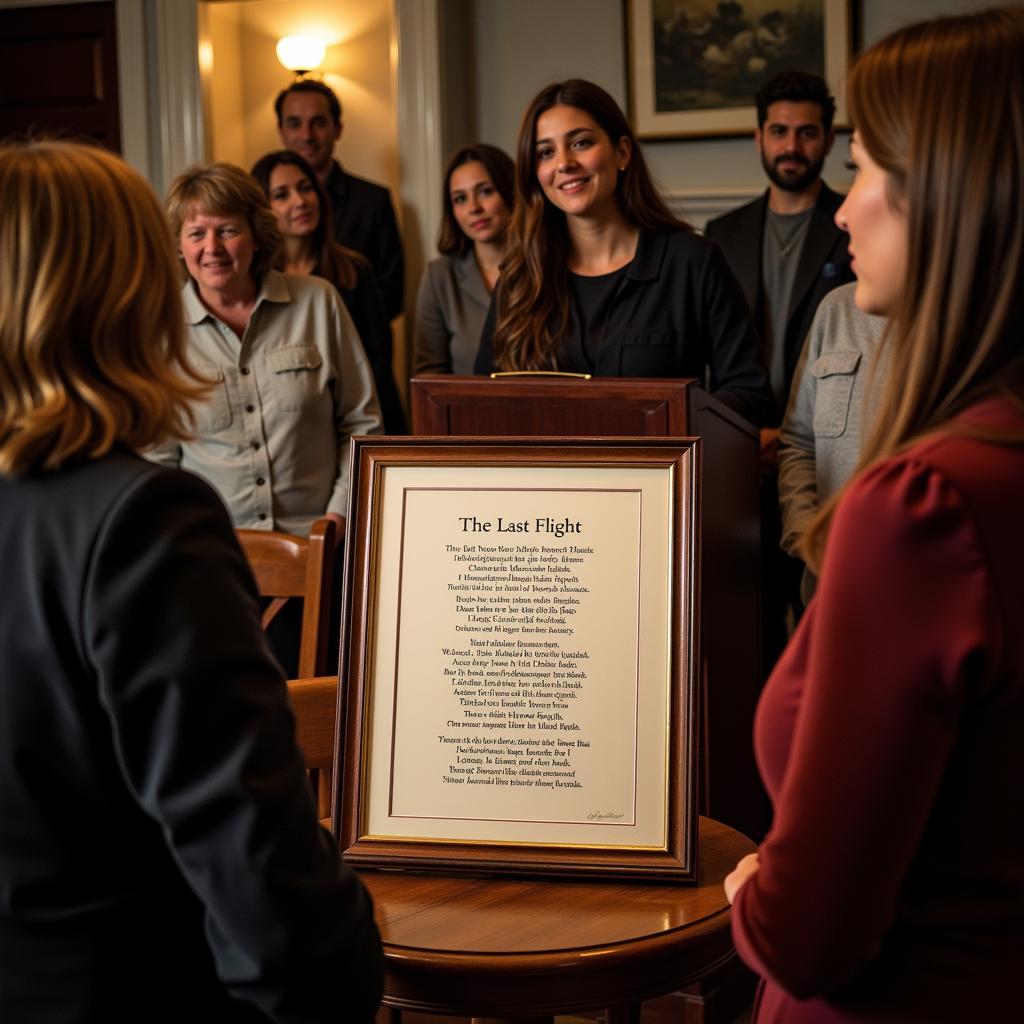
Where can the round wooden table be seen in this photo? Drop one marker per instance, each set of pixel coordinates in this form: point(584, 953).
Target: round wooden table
point(525, 950)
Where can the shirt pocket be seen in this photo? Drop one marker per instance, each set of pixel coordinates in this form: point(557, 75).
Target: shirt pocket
point(213, 412)
point(296, 379)
point(647, 353)
point(835, 374)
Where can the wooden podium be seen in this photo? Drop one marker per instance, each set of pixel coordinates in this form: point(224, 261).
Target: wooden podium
point(556, 407)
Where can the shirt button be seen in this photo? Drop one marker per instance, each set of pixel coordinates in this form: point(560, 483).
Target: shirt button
point(263, 515)
point(260, 481)
point(255, 446)
point(250, 408)
point(245, 371)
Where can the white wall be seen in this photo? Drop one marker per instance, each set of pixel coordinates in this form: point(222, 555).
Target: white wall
point(522, 44)
point(246, 77)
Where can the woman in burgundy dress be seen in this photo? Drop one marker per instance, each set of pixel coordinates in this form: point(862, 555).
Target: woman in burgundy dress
point(891, 734)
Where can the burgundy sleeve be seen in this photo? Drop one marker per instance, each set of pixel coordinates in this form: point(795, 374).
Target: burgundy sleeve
point(902, 624)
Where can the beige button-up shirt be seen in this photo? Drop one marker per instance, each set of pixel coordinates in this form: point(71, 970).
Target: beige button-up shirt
point(272, 435)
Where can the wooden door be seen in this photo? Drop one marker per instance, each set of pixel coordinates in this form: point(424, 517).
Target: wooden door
point(58, 72)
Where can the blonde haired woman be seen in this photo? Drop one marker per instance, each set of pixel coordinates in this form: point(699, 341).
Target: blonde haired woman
point(159, 849)
point(891, 886)
point(292, 379)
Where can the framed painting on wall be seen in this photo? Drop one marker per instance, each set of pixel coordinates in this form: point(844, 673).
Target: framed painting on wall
point(695, 65)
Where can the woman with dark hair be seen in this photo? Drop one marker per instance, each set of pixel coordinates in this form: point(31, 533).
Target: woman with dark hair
point(300, 204)
point(159, 846)
point(600, 277)
point(456, 289)
point(891, 885)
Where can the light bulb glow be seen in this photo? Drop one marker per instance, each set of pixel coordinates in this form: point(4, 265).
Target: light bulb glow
point(301, 53)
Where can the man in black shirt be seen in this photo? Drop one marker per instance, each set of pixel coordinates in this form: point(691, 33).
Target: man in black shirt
point(309, 122)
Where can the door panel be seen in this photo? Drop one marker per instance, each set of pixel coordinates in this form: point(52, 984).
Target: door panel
point(58, 72)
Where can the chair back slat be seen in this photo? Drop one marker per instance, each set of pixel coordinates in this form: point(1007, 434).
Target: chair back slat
point(314, 702)
point(285, 568)
point(293, 567)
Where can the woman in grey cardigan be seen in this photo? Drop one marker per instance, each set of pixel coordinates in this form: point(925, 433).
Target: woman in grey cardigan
point(456, 288)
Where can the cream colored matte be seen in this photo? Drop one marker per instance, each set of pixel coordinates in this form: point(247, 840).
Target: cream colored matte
point(622, 708)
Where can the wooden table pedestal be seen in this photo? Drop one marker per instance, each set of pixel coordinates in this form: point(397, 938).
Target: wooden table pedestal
point(500, 950)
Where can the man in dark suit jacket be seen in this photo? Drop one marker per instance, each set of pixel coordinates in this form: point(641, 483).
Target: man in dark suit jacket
point(309, 122)
point(824, 264)
point(787, 253)
point(791, 224)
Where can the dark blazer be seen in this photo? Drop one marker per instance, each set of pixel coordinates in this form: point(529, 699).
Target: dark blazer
point(159, 848)
point(824, 263)
point(678, 312)
point(364, 219)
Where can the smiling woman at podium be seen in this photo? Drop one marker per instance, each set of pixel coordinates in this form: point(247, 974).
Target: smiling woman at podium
point(599, 277)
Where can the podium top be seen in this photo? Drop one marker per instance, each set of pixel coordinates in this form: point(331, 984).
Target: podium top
point(550, 405)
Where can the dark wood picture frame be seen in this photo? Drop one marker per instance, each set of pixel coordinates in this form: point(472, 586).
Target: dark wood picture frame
point(674, 858)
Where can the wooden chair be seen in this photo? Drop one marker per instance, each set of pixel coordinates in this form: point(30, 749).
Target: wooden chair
point(315, 703)
point(287, 568)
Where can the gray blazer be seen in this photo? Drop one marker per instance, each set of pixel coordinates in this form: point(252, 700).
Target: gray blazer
point(450, 312)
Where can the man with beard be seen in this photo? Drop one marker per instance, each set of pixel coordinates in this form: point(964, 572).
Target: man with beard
point(787, 253)
point(785, 247)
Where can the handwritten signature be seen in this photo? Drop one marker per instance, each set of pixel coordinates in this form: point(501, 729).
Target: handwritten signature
point(604, 816)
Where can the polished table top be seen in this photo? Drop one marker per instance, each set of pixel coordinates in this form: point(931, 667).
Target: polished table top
point(489, 947)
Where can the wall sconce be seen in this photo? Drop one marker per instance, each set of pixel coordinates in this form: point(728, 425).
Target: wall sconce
point(301, 54)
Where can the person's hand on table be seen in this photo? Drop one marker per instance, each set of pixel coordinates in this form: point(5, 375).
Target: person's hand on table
point(744, 869)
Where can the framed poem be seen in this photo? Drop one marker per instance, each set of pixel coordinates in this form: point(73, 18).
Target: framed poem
point(695, 65)
point(520, 653)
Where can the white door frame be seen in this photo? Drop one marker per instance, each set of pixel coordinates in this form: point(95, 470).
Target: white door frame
point(162, 128)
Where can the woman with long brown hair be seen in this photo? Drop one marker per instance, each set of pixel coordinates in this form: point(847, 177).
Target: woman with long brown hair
point(891, 885)
point(298, 201)
point(600, 277)
point(160, 854)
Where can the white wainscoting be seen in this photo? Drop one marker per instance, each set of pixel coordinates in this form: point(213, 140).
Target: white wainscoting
point(699, 205)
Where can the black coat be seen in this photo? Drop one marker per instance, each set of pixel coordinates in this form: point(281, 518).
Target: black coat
point(824, 264)
point(366, 308)
point(159, 847)
point(364, 219)
point(678, 312)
